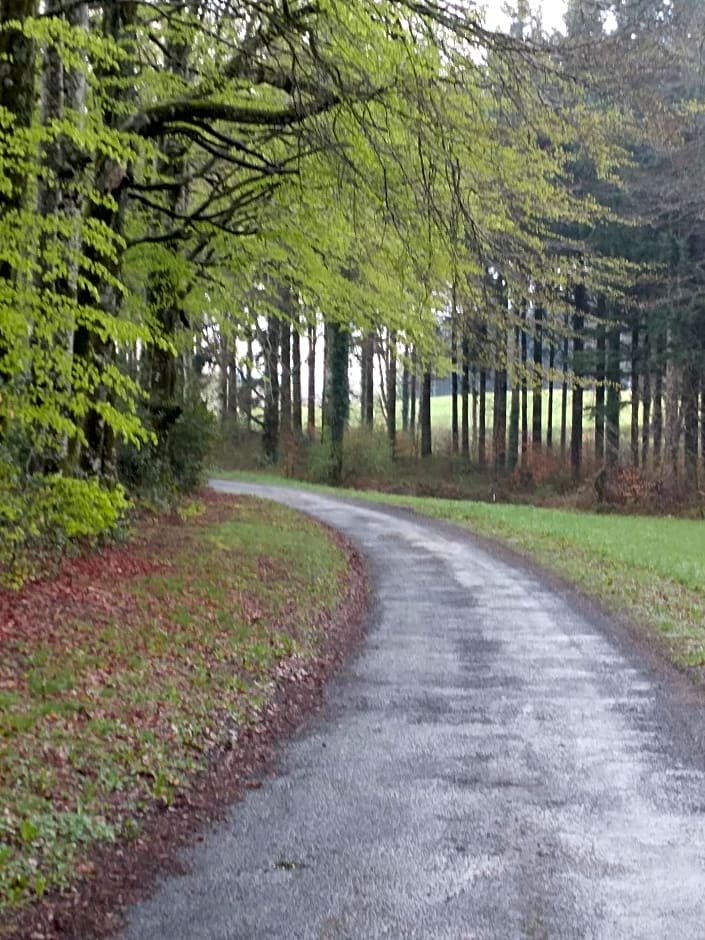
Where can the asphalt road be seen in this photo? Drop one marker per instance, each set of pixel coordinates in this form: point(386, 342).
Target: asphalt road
point(494, 763)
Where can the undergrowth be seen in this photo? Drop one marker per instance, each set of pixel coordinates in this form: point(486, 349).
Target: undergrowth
point(119, 676)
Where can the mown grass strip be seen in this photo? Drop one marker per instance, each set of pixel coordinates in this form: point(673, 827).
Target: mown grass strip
point(649, 569)
point(118, 678)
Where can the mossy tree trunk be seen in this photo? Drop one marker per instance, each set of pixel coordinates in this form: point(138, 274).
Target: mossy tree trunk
point(270, 416)
point(392, 388)
point(337, 395)
point(425, 415)
point(613, 376)
point(537, 385)
point(576, 424)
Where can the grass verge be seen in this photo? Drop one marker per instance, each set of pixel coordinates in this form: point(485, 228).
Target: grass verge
point(120, 677)
point(648, 569)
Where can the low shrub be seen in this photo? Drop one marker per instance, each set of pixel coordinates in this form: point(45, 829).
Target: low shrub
point(41, 516)
point(161, 471)
point(367, 454)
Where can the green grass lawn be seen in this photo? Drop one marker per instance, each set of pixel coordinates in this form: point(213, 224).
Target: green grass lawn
point(650, 569)
point(441, 411)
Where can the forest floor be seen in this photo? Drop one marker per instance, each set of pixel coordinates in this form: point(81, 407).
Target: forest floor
point(141, 690)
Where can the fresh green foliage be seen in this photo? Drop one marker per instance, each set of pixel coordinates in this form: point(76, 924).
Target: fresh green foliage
point(40, 515)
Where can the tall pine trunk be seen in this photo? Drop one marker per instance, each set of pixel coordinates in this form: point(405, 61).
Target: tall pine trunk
point(454, 429)
point(674, 387)
point(270, 417)
point(658, 399)
point(405, 390)
point(524, 383)
point(464, 399)
point(513, 437)
point(482, 421)
point(564, 386)
point(690, 425)
point(413, 392)
point(499, 422)
point(392, 388)
point(285, 416)
point(600, 348)
point(646, 397)
point(311, 387)
point(337, 395)
point(613, 371)
point(576, 424)
point(549, 416)
point(367, 378)
point(425, 415)
point(248, 391)
point(296, 402)
point(634, 411)
point(537, 393)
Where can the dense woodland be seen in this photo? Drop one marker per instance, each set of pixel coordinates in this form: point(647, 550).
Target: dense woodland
point(205, 206)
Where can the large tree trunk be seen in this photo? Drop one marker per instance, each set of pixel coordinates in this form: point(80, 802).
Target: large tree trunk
point(564, 387)
point(17, 96)
point(634, 416)
point(464, 399)
point(392, 388)
point(367, 378)
point(94, 349)
point(311, 399)
point(549, 416)
point(248, 391)
point(613, 405)
point(537, 396)
point(59, 197)
point(425, 415)
point(454, 430)
point(285, 415)
point(658, 400)
point(338, 395)
point(474, 396)
point(224, 368)
point(296, 403)
point(674, 387)
point(702, 416)
point(513, 437)
point(413, 393)
point(270, 417)
point(482, 421)
point(690, 426)
point(576, 425)
point(600, 347)
point(405, 390)
point(499, 422)
point(523, 380)
point(646, 398)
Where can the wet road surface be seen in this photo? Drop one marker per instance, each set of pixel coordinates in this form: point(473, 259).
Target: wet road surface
point(490, 765)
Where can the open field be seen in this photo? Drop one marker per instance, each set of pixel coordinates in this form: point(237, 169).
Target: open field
point(441, 411)
point(119, 677)
point(649, 569)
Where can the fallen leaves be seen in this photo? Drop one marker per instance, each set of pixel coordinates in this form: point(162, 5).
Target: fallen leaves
point(121, 674)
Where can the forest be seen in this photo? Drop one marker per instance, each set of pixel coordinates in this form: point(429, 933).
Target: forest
point(220, 217)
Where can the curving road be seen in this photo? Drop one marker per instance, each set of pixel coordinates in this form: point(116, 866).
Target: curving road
point(495, 763)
